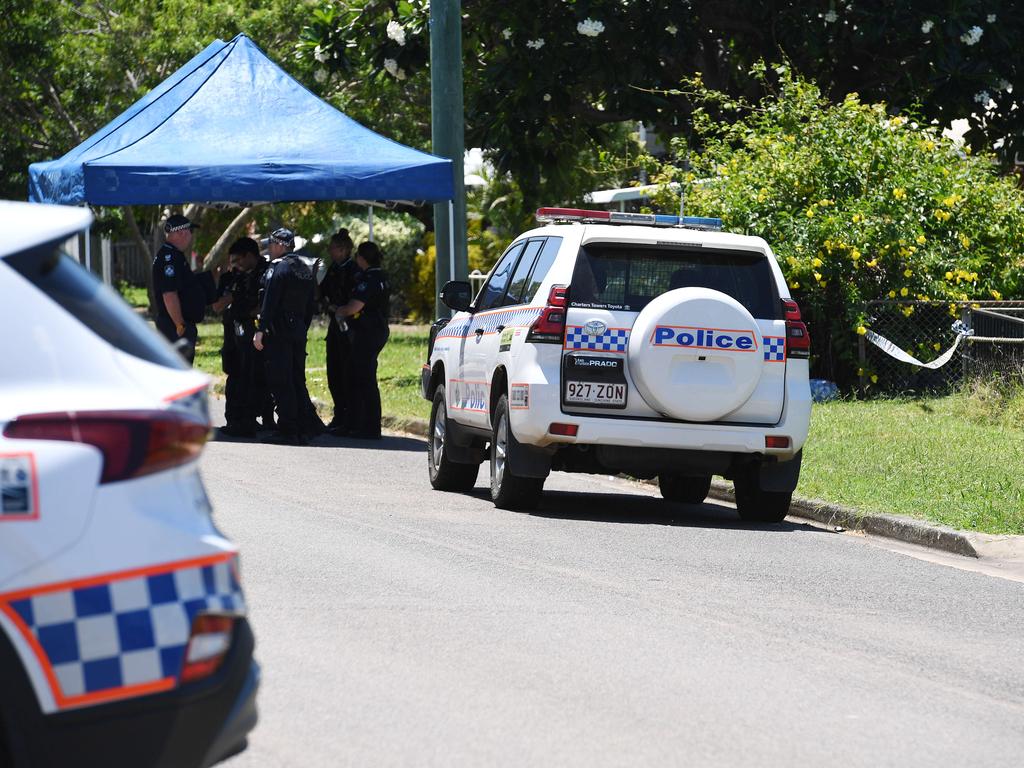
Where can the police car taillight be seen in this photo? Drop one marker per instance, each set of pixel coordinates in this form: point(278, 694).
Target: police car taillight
point(133, 443)
point(798, 340)
point(207, 646)
point(549, 327)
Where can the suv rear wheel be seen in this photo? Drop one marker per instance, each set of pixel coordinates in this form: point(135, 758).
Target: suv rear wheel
point(509, 491)
point(759, 506)
point(445, 474)
point(685, 490)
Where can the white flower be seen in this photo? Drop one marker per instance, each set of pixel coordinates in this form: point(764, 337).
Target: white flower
point(535, 44)
point(396, 32)
point(982, 97)
point(927, 26)
point(831, 16)
point(547, 97)
point(506, 33)
point(1004, 85)
point(391, 67)
point(320, 75)
point(590, 28)
point(672, 29)
point(320, 54)
point(400, 74)
point(991, 18)
point(972, 35)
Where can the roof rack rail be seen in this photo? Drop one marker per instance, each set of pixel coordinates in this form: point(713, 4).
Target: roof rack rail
point(579, 215)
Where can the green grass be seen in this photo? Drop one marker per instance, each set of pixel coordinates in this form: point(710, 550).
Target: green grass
point(954, 460)
point(135, 295)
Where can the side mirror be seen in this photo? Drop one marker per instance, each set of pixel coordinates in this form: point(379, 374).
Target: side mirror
point(457, 295)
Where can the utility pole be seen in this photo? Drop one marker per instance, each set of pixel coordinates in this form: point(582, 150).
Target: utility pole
point(447, 131)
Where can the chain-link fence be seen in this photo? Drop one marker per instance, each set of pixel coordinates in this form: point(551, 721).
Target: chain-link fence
point(926, 329)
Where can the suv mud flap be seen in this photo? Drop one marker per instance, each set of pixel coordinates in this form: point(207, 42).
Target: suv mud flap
point(526, 460)
point(464, 445)
point(779, 476)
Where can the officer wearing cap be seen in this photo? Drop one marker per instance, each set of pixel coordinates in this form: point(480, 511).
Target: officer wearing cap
point(367, 315)
point(172, 277)
point(287, 310)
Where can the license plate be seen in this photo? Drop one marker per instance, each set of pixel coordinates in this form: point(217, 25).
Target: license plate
point(595, 393)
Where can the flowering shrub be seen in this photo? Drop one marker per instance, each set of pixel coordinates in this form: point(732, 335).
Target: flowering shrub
point(857, 204)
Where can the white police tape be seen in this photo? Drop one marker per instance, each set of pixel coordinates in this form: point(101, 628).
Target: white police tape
point(892, 350)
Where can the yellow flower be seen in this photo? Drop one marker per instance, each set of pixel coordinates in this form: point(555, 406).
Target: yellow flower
point(817, 276)
point(949, 275)
point(873, 263)
point(861, 330)
point(927, 145)
point(860, 371)
point(854, 254)
point(908, 311)
point(943, 215)
point(824, 283)
point(904, 291)
point(899, 193)
point(898, 120)
point(908, 272)
point(965, 241)
point(762, 195)
point(921, 239)
point(816, 262)
point(892, 294)
point(794, 285)
point(936, 346)
point(874, 379)
point(857, 218)
point(996, 295)
point(810, 212)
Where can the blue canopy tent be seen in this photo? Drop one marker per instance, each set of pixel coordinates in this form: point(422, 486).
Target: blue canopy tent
point(232, 126)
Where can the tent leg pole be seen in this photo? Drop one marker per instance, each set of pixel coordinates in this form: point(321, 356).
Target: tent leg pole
point(451, 240)
point(88, 248)
point(369, 221)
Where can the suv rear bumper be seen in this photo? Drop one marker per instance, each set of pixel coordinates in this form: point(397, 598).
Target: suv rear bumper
point(196, 724)
point(532, 427)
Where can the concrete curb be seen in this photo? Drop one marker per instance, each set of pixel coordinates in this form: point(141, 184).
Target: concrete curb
point(903, 529)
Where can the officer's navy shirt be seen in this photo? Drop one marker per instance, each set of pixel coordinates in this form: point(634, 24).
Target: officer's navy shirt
point(289, 292)
point(372, 289)
point(171, 272)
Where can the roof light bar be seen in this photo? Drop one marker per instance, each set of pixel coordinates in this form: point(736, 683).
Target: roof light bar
point(563, 215)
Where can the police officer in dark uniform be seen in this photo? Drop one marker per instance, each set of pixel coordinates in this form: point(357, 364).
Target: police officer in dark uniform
point(173, 287)
point(245, 390)
point(287, 310)
point(228, 350)
point(335, 291)
point(367, 316)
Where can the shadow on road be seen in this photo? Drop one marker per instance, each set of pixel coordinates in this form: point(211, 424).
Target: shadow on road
point(630, 509)
point(386, 443)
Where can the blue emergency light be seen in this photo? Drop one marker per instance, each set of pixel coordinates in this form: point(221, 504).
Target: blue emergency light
point(564, 215)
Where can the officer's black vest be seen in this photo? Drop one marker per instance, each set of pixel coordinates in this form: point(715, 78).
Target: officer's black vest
point(297, 292)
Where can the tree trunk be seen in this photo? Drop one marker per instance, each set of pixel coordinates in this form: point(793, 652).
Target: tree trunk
point(213, 258)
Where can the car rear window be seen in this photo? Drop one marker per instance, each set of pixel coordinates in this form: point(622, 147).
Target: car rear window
point(95, 305)
point(627, 277)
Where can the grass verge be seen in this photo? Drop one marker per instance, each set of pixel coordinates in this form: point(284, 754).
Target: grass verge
point(952, 460)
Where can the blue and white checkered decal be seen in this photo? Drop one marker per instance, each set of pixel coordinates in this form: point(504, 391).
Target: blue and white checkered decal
point(520, 317)
point(612, 340)
point(774, 349)
point(127, 632)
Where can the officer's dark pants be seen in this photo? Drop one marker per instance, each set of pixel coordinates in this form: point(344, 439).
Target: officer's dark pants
point(285, 356)
point(249, 396)
point(339, 360)
point(366, 346)
point(186, 344)
point(235, 385)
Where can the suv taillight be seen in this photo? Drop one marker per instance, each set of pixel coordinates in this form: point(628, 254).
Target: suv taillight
point(798, 341)
point(549, 328)
point(207, 646)
point(133, 443)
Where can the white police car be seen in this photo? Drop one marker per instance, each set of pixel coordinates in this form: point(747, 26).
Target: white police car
point(612, 342)
point(123, 637)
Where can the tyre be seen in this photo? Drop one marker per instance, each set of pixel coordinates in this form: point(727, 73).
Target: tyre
point(445, 475)
point(759, 506)
point(509, 491)
point(685, 490)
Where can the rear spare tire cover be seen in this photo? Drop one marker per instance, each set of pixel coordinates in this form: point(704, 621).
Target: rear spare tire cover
point(695, 354)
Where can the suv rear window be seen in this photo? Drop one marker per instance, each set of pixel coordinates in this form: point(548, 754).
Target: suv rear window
point(628, 277)
point(95, 305)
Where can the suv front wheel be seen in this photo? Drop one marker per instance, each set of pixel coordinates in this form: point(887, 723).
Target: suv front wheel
point(509, 491)
point(756, 505)
point(445, 474)
point(685, 490)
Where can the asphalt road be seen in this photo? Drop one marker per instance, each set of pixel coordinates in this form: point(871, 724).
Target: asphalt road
point(397, 625)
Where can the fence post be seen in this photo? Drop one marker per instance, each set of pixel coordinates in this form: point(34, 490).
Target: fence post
point(106, 260)
point(965, 318)
point(862, 356)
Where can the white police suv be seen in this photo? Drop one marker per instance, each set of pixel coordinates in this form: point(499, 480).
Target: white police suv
point(612, 342)
point(123, 637)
